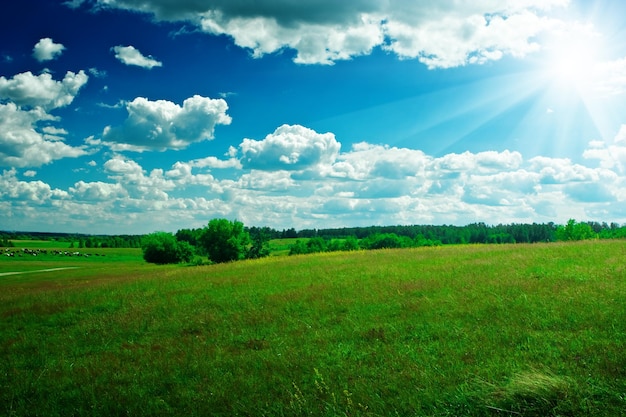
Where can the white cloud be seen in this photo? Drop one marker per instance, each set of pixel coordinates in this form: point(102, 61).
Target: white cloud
point(29, 192)
point(366, 161)
point(501, 189)
point(561, 170)
point(291, 148)
point(160, 125)
point(98, 73)
point(51, 130)
point(135, 181)
point(21, 145)
point(46, 50)
point(122, 167)
point(129, 55)
point(267, 181)
point(612, 155)
point(441, 34)
point(97, 191)
point(213, 162)
point(28, 90)
point(28, 99)
point(457, 39)
point(315, 43)
point(296, 177)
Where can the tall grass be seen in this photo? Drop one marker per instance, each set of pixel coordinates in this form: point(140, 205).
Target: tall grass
point(533, 330)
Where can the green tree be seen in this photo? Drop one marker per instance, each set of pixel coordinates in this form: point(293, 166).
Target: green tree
point(575, 231)
point(260, 243)
point(350, 243)
point(384, 241)
point(163, 248)
point(225, 241)
point(6, 242)
point(315, 245)
point(298, 248)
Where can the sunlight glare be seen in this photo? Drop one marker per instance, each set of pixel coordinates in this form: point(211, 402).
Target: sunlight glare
point(573, 60)
point(572, 66)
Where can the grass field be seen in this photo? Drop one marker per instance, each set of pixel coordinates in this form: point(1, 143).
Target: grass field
point(281, 247)
point(508, 330)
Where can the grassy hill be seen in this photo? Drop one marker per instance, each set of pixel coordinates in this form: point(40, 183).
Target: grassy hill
point(506, 330)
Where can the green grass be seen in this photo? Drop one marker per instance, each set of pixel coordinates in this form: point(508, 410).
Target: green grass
point(281, 247)
point(533, 330)
point(100, 256)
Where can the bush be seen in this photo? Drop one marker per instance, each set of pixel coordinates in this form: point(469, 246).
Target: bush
point(384, 241)
point(298, 248)
point(225, 241)
point(163, 248)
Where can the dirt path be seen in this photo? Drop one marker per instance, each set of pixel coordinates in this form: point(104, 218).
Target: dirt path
point(38, 270)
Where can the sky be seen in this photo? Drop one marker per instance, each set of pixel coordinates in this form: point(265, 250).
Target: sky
point(135, 116)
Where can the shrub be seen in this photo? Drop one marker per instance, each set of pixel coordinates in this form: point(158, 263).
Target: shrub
point(225, 241)
point(163, 248)
point(298, 248)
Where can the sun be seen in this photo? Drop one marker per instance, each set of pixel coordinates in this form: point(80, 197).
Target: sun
point(572, 59)
point(573, 66)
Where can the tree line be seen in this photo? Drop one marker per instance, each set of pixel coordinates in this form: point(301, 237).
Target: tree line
point(223, 241)
point(74, 240)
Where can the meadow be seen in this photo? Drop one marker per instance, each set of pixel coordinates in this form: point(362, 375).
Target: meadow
point(471, 330)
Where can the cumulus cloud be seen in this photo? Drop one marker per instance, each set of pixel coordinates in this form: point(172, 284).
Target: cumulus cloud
point(137, 184)
point(33, 192)
point(213, 162)
point(441, 34)
point(561, 170)
point(28, 99)
point(29, 90)
point(161, 125)
point(265, 184)
point(610, 155)
point(46, 50)
point(291, 148)
point(366, 161)
point(472, 37)
point(267, 181)
point(97, 191)
point(129, 55)
point(22, 145)
point(315, 43)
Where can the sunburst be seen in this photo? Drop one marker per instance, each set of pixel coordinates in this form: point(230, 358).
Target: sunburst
point(572, 59)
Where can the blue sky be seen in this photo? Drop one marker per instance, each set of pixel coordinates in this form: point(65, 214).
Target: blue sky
point(129, 116)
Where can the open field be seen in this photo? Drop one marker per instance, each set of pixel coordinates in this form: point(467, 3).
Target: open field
point(281, 247)
point(498, 330)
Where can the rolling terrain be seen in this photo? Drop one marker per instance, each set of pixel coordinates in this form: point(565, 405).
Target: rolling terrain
point(471, 330)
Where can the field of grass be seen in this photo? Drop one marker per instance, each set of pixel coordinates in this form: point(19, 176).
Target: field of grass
point(281, 247)
point(508, 330)
point(68, 257)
